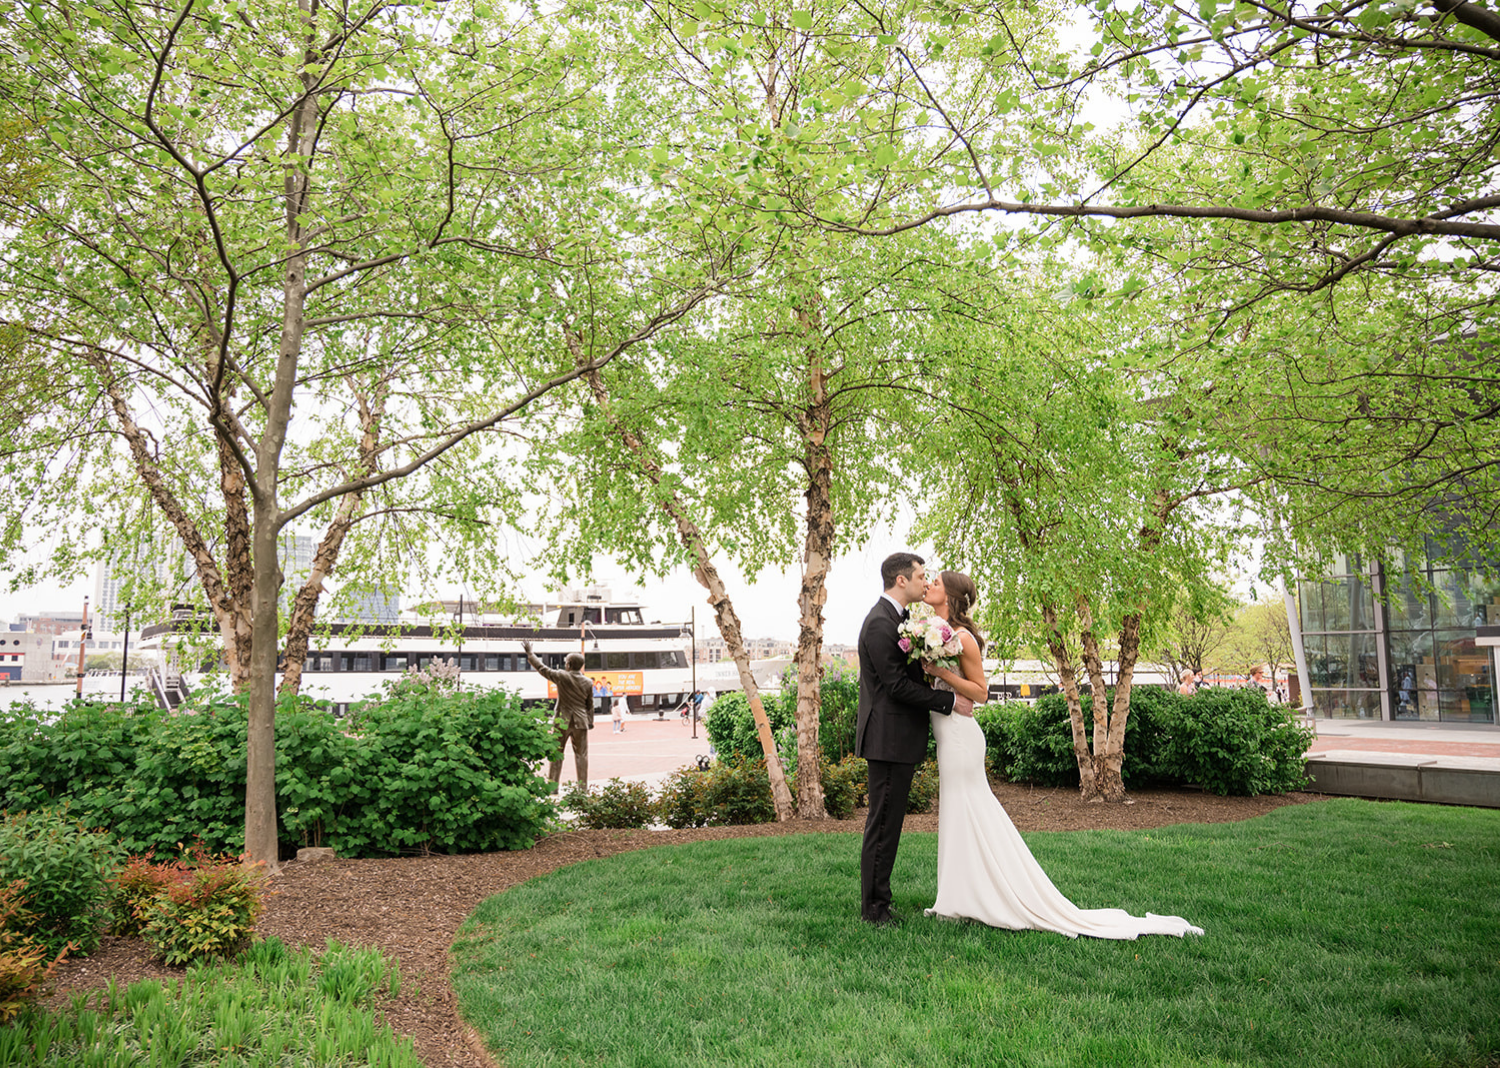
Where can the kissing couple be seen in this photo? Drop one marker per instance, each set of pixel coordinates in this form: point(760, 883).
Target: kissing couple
point(985, 871)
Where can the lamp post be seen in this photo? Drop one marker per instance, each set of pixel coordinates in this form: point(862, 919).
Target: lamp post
point(608, 691)
point(692, 630)
point(125, 655)
point(83, 641)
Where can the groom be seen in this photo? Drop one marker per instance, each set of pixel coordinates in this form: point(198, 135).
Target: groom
point(893, 728)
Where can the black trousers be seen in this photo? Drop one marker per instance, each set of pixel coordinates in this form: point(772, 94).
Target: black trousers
point(889, 787)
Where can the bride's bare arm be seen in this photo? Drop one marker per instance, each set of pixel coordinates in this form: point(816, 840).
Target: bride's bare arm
point(971, 666)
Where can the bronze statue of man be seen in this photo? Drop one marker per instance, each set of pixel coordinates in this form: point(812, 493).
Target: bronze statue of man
point(574, 713)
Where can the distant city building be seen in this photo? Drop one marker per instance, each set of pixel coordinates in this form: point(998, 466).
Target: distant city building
point(48, 622)
point(65, 649)
point(373, 607)
point(25, 656)
point(712, 649)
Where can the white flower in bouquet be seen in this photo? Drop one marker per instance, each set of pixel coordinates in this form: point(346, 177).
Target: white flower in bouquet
point(927, 636)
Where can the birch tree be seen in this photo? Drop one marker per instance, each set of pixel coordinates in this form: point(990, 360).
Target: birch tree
point(294, 266)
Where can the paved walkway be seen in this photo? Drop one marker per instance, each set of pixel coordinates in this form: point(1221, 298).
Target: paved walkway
point(648, 750)
point(1401, 739)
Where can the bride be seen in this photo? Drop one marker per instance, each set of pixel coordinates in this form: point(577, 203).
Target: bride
point(985, 871)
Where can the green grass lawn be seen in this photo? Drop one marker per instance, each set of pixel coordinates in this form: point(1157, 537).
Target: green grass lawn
point(1345, 933)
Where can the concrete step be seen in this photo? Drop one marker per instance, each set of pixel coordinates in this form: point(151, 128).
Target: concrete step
point(1449, 780)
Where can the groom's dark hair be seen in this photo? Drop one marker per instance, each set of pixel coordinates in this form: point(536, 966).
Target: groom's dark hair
point(898, 564)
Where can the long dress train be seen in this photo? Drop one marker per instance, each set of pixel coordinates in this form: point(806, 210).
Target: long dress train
point(985, 871)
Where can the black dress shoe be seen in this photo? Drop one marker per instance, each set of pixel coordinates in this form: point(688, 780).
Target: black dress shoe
point(885, 919)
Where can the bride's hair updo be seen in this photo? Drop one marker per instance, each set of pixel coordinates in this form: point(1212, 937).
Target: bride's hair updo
point(961, 597)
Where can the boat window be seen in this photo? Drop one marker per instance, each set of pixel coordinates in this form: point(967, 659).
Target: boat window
point(648, 700)
point(645, 660)
point(593, 661)
point(673, 658)
point(468, 662)
point(323, 662)
point(616, 661)
point(361, 662)
point(395, 661)
point(491, 662)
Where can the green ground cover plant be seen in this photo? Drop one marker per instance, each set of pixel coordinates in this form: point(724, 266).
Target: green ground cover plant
point(1341, 934)
point(270, 1007)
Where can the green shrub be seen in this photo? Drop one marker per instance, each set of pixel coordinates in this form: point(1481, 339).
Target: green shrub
point(138, 882)
point(207, 910)
point(618, 804)
point(25, 964)
point(1227, 741)
point(729, 793)
point(1235, 742)
point(66, 870)
point(839, 712)
point(857, 770)
point(680, 803)
point(443, 772)
point(924, 787)
point(730, 725)
point(84, 754)
point(992, 720)
point(424, 771)
point(841, 789)
point(1037, 741)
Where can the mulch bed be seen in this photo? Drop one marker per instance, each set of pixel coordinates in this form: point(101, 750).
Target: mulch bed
point(410, 907)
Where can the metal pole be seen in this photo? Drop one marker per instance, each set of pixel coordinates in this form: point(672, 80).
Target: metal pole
point(83, 641)
point(693, 634)
point(125, 656)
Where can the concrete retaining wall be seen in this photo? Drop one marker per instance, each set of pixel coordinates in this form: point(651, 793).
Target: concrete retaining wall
point(1448, 781)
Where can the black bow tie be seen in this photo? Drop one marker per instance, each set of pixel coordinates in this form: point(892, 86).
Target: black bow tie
point(905, 614)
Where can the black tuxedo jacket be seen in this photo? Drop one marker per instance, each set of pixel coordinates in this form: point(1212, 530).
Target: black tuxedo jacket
point(893, 699)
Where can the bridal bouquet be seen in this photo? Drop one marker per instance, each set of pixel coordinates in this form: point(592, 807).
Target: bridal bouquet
point(926, 636)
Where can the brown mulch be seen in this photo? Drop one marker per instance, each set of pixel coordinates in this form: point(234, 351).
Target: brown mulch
point(411, 907)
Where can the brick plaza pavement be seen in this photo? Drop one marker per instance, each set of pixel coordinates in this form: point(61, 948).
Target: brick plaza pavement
point(648, 750)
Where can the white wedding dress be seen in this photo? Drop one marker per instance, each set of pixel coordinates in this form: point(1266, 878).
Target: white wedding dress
point(985, 871)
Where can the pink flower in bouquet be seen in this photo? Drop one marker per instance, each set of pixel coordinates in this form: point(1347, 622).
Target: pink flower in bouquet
point(925, 636)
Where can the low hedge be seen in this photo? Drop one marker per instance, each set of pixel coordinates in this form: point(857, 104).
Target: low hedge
point(1226, 741)
point(417, 771)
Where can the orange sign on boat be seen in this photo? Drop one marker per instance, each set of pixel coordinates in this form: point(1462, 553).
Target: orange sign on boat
point(619, 682)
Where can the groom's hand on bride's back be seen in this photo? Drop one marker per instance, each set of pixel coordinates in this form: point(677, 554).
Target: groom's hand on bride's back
point(962, 705)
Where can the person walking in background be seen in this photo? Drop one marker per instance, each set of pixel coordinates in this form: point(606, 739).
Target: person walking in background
point(1186, 686)
point(617, 712)
point(573, 715)
point(1258, 680)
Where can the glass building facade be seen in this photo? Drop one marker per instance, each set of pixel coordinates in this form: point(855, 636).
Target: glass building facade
point(1401, 640)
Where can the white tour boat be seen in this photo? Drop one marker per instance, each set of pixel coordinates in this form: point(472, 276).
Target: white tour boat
point(347, 662)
